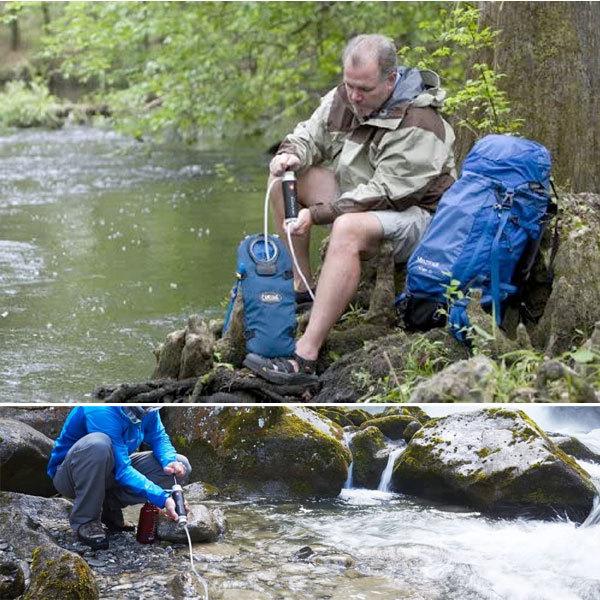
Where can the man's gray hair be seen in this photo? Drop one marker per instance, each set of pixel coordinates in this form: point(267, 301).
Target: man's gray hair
point(366, 47)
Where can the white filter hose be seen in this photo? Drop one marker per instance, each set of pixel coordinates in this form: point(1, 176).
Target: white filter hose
point(288, 230)
point(200, 578)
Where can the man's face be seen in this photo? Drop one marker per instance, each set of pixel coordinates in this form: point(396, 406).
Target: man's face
point(366, 91)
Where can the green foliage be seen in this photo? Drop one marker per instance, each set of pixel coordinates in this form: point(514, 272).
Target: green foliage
point(28, 105)
point(217, 67)
point(450, 42)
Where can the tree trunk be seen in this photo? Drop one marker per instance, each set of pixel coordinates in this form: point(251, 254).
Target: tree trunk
point(15, 35)
point(549, 53)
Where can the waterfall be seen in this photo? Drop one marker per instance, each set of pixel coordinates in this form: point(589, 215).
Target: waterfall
point(594, 516)
point(347, 438)
point(386, 476)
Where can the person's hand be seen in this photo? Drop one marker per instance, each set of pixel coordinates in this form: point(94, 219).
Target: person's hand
point(282, 163)
point(175, 468)
point(170, 509)
point(303, 223)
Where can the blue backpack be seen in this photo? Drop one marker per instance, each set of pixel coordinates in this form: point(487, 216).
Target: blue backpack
point(485, 234)
point(267, 284)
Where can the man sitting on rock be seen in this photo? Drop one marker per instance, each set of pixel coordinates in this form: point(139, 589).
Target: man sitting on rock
point(94, 462)
point(373, 161)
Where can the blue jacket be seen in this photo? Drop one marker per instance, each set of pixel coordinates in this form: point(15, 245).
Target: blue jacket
point(126, 438)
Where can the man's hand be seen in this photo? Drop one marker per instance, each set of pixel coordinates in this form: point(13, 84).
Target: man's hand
point(282, 163)
point(303, 223)
point(170, 509)
point(175, 468)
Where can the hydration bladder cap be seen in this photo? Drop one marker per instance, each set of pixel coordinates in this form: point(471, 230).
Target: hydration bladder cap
point(258, 250)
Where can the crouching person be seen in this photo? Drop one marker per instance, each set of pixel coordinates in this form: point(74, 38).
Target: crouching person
point(94, 461)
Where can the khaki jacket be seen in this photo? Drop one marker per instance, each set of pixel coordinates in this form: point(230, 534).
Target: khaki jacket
point(399, 158)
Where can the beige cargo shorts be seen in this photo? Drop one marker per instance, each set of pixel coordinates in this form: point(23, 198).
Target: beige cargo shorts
point(403, 228)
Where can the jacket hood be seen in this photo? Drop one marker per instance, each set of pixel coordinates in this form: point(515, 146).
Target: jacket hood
point(419, 87)
point(135, 414)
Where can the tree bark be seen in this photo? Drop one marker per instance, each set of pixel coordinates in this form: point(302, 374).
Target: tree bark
point(15, 35)
point(550, 52)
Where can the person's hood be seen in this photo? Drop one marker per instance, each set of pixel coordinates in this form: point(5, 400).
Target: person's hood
point(417, 87)
point(136, 413)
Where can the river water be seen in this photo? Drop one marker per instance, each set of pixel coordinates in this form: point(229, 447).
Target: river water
point(106, 245)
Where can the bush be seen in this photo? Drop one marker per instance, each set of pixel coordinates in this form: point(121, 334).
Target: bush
point(28, 105)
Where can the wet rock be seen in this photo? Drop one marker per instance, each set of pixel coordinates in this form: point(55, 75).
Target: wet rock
point(58, 574)
point(410, 430)
point(339, 560)
point(574, 447)
point(24, 454)
point(367, 462)
point(495, 460)
point(204, 525)
point(303, 554)
point(337, 415)
point(392, 426)
point(198, 491)
point(465, 381)
point(12, 576)
point(413, 411)
point(285, 451)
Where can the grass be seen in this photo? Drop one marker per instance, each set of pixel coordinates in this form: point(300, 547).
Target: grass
point(28, 105)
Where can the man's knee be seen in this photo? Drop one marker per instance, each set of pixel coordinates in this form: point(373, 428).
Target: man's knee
point(356, 231)
point(98, 444)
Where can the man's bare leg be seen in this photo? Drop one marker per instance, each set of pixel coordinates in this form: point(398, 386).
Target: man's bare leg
point(354, 236)
point(316, 184)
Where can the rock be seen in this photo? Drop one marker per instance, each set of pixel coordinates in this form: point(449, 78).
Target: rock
point(573, 447)
point(197, 352)
point(414, 411)
point(392, 426)
point(497, 461)
point(574, 303)
point(465, 381)
point(381, 304)
point(358, 416)
point(410, 430)
point(283, 451)
point(198, 491)
point(204, 525)
point(231, 348)
point(367, 461)
point(24, 454)
point(379, 366)
point(337, 415)
point(559, 383)
point(168, 356)
point(12, 577)
point(45, 419)
point(58, 574)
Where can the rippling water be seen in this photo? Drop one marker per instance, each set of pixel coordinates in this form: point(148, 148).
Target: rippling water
point(106, 245)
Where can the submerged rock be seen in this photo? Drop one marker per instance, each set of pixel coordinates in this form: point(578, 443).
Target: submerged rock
point(495, 460)
point(277, 451)
point(24, 454)
point(204, 525)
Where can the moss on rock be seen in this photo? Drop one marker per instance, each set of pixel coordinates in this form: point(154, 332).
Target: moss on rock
point(60, 575)
point(392, 426)
point(367, 465)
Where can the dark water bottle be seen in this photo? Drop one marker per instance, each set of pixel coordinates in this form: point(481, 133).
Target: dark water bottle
point(177, 495)
point(146, 529)
point(290, 196)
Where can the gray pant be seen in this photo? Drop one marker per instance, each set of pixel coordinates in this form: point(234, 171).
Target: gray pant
point(87, 475)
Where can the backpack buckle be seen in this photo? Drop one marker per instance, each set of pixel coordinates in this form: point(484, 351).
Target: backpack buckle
point(507, 201)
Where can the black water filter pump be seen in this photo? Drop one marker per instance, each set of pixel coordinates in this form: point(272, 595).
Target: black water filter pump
point(290, 197)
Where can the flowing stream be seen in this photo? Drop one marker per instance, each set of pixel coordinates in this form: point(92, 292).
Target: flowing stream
point(107, 245)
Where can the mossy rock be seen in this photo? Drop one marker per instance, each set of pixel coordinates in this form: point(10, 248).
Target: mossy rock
point(391, 426)
point(336, 415)
point(287, 451)
point(367, 466)
point(358, 416)
point(497, 461)
point(410, 430)
point(57, 574)
point(413, 411)
point(574, 447)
